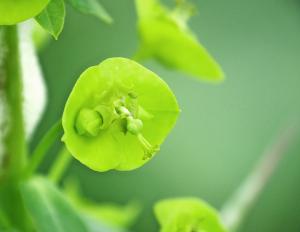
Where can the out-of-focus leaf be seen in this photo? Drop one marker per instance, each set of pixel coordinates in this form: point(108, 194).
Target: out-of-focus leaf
point(49, 210)
point(186, 215)
point(166, 37)
point(40, 37)
point(95, 225)
point(91, 7)
point(52, 18)
point(4, 222)
point(112, 214)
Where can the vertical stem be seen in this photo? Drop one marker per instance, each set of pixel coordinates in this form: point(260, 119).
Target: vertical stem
point(15, 138)
point(59, 167)
point(236, 208)
point(15, 145)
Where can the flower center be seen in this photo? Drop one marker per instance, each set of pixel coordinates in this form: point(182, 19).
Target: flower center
point(90, 121)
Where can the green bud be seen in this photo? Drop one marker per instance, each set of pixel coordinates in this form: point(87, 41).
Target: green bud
point(134, 126)
point(88, 122)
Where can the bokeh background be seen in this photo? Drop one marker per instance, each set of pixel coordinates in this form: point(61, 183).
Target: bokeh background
point(223, 129)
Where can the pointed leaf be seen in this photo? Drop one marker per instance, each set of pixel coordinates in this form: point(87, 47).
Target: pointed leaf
point(52, 18)
point(91, 7)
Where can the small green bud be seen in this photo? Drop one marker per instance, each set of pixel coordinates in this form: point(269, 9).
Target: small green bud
point(88, 122)
point(134, 126)
point(123, 112)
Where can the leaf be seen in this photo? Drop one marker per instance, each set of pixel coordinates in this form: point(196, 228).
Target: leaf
point(117, 115)
point(40, 37)
point(52, 18)
point(120, 216)
point(187, 214)
point(165, 37)
point(96, 226)
point(13, 12)
point(91, 7)
point(49, 210)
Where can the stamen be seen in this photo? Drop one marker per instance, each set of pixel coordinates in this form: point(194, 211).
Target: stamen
point(135, 126)
point(149, 150)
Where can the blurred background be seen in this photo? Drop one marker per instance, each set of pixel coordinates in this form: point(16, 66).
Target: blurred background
point(223, 129)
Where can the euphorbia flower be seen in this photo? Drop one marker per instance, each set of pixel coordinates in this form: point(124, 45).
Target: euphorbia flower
point(15, 11)
point(187, 215)
point(166, 37)
point(117, 115)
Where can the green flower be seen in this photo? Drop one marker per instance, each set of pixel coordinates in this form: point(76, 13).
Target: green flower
point(15, 11)
point(117, 115)
point(187, 215)
point(165, 36)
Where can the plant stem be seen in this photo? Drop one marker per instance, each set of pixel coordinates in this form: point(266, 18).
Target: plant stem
point(15, 137)
point(236, 208)
point(60, 165)
point(42, 148)
point(15, 145)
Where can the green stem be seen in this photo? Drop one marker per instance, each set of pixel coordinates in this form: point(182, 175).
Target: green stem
point(15, 139)
point(236, 209)
point(60, 165)
point(41, 150)
point(11, 202)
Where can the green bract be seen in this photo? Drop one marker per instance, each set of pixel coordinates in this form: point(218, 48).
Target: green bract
point(15, 11)
point(117, 115)
point(187, 215)
point(121, 216)
point(165, 36)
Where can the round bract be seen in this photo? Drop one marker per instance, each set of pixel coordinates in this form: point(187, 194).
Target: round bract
point(186, 215)
point(15, 11)
point(135, 108)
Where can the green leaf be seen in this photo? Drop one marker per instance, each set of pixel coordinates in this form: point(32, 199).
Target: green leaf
point(96, 226)
point(13, 12)
point(117, 115)
point(186, 215)
point(120, 216)
point(52, 18)
point(49, 210)
point(165, 36)
point(91, 7)
point(40, 37)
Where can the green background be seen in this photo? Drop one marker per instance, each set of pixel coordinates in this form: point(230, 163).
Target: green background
point(223, 129)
